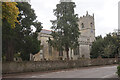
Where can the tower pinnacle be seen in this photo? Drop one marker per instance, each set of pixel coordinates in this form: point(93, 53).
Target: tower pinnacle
point(86, 13)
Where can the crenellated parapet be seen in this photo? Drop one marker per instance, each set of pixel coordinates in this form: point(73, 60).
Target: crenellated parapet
point(87, 15)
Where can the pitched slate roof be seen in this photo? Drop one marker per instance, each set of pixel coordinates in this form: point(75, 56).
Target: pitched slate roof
point(46, 31)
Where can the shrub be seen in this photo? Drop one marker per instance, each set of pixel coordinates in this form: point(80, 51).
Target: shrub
point(118, 70)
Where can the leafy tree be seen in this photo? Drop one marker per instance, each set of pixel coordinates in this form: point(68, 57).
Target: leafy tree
point(98, 37)
point(110, 42)
point(97, 47)
point(30, 43)
point(22, 39)
point(10, 12)
point(9, 18)
point(109, 50)
point(65, 28)
point(106, 47)
point(8, 41)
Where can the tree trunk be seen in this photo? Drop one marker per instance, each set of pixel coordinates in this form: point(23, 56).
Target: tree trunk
point(67, 52)
point(10, 52)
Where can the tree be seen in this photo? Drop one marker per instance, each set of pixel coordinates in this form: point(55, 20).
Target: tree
point(109, 50)
point(106, 47)
point(22, 39)
point(97, 47)
point(8, 41)
point(10, 12)
point(65, 31)
point(29, 42)
point(9, 18)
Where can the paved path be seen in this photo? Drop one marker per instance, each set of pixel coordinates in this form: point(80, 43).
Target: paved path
point(87, 72)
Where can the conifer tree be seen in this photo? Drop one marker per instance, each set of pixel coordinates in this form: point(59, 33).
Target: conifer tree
point(65, 31)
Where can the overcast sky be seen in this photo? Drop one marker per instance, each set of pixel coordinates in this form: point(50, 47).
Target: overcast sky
point(105, 11)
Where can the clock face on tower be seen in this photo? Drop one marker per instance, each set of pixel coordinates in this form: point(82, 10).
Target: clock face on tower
point(91, 31)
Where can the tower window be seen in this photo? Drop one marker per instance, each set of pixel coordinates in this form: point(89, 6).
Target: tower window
point(91, 24)
point(82, 25)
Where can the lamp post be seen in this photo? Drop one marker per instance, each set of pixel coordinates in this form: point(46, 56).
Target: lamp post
point(118, 47)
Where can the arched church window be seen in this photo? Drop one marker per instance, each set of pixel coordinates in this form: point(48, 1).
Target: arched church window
point(50, 50)
point(76, 51)
point(60, 53)
point(82, 25)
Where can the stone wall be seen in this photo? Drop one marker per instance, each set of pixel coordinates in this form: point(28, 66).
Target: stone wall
point(17, 67)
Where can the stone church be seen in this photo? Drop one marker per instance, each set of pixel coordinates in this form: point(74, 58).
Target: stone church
point(86, 38)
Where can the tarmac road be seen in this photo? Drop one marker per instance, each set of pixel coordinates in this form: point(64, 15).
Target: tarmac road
point(86, 72)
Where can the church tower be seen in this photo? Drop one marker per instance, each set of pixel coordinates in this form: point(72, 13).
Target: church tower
point(87, 27)
point(87, 35)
